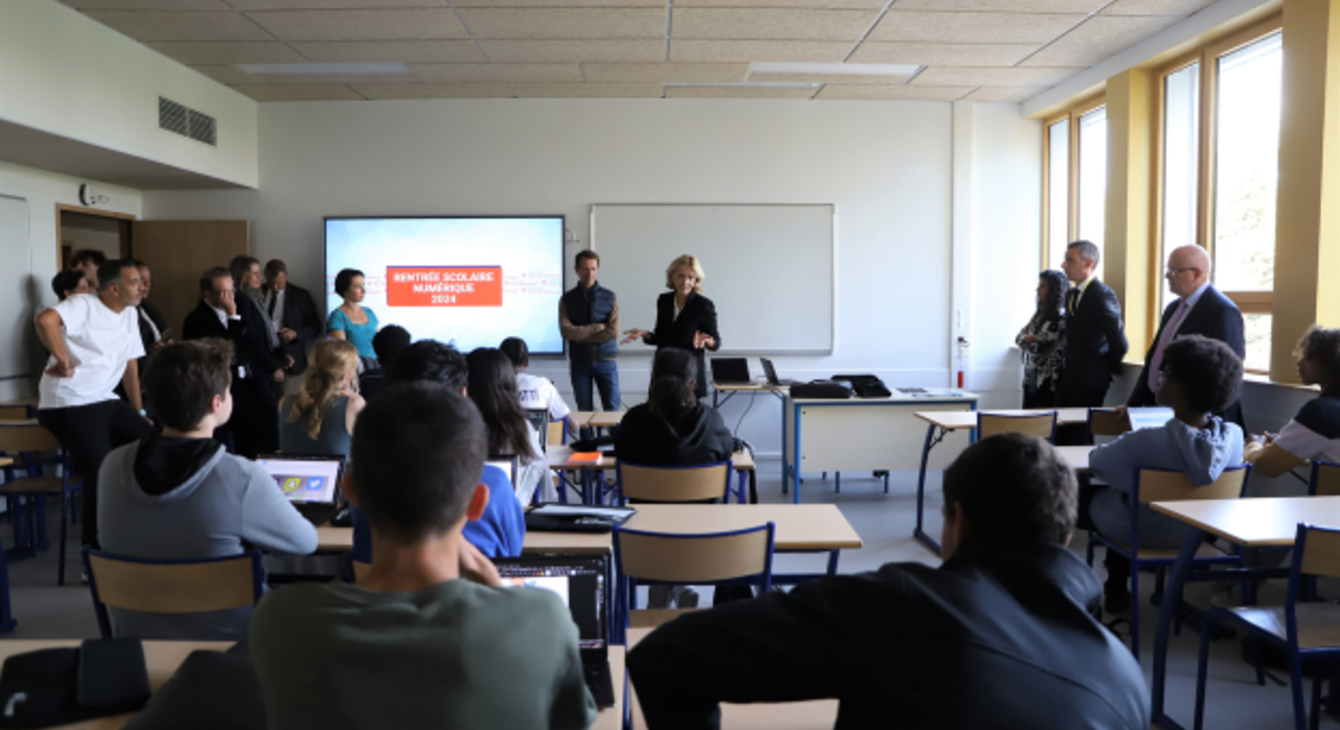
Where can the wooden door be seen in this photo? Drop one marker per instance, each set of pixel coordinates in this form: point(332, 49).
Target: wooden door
point(178, 252)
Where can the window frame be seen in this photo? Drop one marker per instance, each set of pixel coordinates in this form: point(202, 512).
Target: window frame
point(1072, 115)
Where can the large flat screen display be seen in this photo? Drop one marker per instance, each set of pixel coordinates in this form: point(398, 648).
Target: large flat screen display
point(468, 281)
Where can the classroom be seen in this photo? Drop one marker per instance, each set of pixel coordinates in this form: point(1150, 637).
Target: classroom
point(868, 186)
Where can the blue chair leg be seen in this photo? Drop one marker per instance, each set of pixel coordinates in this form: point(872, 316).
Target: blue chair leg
point(1135, 609)
point(837, 482)
point(1088, 549)
point(60, 569)
point(886, 481)
point(7, 622)
point(1201, 670)
point(1296, 689)
point(1315, 714)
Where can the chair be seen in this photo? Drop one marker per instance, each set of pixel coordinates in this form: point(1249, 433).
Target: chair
point(16, 413)
point(1324, 480)
point(695, 483)
point(29, 439)
point(557, 432)
point(1042, 425)
point(739, 557)
point(1304, 630)
point(171, 586)
point(1104, 422)
point(1160, 485)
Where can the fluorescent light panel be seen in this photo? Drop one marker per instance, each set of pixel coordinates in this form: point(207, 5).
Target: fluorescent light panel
point(753, 84)
point(318, 69)
point(835, 69)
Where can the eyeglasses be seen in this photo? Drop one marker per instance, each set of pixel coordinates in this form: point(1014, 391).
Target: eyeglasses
point(1170, 273)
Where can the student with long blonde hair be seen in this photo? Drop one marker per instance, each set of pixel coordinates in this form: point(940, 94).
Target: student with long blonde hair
point(320, 418)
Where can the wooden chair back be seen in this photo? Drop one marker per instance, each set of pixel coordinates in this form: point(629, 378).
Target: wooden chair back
point(1042, 425)
point(1320, 551)
point(14, 413)
point(1103, 422)
point(694, 559)
point(558, 433)
point(1157, 485)
point(177, 586)
point(1325, 480)
point(675, 483)
point(18, 436)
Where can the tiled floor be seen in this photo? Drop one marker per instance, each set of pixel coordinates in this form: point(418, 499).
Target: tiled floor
point(885, 525)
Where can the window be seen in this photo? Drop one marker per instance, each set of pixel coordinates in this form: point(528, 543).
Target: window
point(1075, 195)
point(1219, 170)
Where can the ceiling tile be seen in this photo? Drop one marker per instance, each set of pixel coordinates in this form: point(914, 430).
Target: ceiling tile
point(738, 92)
point(897, 92)
point(586, 91)
point(1006, 94)
point(948, 76)
point(341, 79)
point(665, 72)
point(464, 73)
point(574, 51)
point(248, 5)
point(565, 23)
point(843, 79)
point(658, 4)
point(942, 54)
point(228, 53)
point(298, 92)
point(360, 25)
point(227, 74)
point(170, 5)
point(770, 23)
point(1083, 7)
point(436, 91)
point(157, 26)
point(1100, 38)
point(806, 4)
point(901, 25)
point(439, 51)
point(747, 51)
point(1156, 7)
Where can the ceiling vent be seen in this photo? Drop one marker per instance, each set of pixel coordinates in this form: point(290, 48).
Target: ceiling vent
point(181, 119)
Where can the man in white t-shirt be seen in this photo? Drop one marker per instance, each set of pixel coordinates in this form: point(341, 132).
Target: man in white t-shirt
point(94, 341)
point(536, 392)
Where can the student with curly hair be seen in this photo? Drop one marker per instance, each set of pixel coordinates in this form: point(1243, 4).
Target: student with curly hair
point(1315, 432)
point(1198, 378)
point(320, 419)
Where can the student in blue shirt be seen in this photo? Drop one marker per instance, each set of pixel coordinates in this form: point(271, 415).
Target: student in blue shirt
point(500, 531)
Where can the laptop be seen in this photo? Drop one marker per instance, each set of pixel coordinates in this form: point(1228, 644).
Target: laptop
point(311, 482)
point(580, 580)
point(730, 371)
point(772, 374)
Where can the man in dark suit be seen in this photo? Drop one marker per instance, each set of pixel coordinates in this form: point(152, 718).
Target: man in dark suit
point(1200, 309)
point(1095, 341)
point(222, 314)
point(293, 311)
point(153, 326)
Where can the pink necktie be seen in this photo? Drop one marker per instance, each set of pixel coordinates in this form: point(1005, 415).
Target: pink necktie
point(1168, 333)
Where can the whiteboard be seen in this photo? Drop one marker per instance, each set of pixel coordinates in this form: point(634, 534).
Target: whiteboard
point(16, 288)
point(769, 269)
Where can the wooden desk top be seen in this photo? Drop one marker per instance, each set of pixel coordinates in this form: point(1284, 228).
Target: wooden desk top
point(1255, 521)
point(582, 417)
point(163, 657)
point(960, 420)
point(809, 715)
point(558, 456)
point(799, 527)
point(754, 387)
point(606, 419)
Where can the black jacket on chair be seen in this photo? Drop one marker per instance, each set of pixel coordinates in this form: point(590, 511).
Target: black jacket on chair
point(300, 316)
point(1214, 316)
point(1094, 348)
point(698, 315)
point(1000, 636)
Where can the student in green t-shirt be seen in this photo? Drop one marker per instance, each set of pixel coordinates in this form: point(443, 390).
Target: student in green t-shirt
point(412, 645)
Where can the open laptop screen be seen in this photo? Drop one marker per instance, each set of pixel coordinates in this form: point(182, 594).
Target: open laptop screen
point(304, 478)
point(579, 581)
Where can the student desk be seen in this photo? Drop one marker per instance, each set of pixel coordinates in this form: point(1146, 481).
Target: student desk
point(754, 388)
point(943, 422)
point(559, 458)
point(1248, 522)
point(341, 540)
point(857, 434)
point(163, 657)
point(808, 715)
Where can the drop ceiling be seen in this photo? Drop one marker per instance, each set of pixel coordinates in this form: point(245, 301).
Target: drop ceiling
point(984, 50)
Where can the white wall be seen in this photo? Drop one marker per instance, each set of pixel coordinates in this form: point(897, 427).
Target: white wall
point(886, 166)
point(66, 74)
point(43, 191)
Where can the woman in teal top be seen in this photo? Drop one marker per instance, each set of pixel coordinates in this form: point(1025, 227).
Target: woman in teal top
point(352, 321)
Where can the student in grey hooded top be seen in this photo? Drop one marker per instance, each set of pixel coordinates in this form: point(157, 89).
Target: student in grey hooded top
point(1199, 377)
point(179, 495)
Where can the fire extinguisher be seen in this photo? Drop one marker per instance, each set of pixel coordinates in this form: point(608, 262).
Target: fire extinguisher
point(961, 361)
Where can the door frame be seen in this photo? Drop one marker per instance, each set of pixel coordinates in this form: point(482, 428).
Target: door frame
point(126, 218)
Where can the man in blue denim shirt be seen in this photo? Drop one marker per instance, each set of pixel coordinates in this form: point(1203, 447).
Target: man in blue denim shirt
point(588, 317)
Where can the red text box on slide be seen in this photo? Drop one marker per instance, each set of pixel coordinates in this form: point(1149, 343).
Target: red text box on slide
point(444, 286)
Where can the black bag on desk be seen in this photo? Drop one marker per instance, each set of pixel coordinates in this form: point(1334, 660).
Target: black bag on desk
point(211, 690)
point(59, 686)
point(865, 386)
point(821, 389)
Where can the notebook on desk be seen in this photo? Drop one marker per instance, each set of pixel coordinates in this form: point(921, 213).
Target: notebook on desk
point(581, 582)
point(311, 483)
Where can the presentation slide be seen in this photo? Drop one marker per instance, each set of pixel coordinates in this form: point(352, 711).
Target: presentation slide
point(467, 281)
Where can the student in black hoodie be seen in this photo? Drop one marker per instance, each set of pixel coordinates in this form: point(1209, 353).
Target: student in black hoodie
point(672, 428)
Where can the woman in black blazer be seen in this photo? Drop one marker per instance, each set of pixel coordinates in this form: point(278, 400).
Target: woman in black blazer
point(685, 319)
